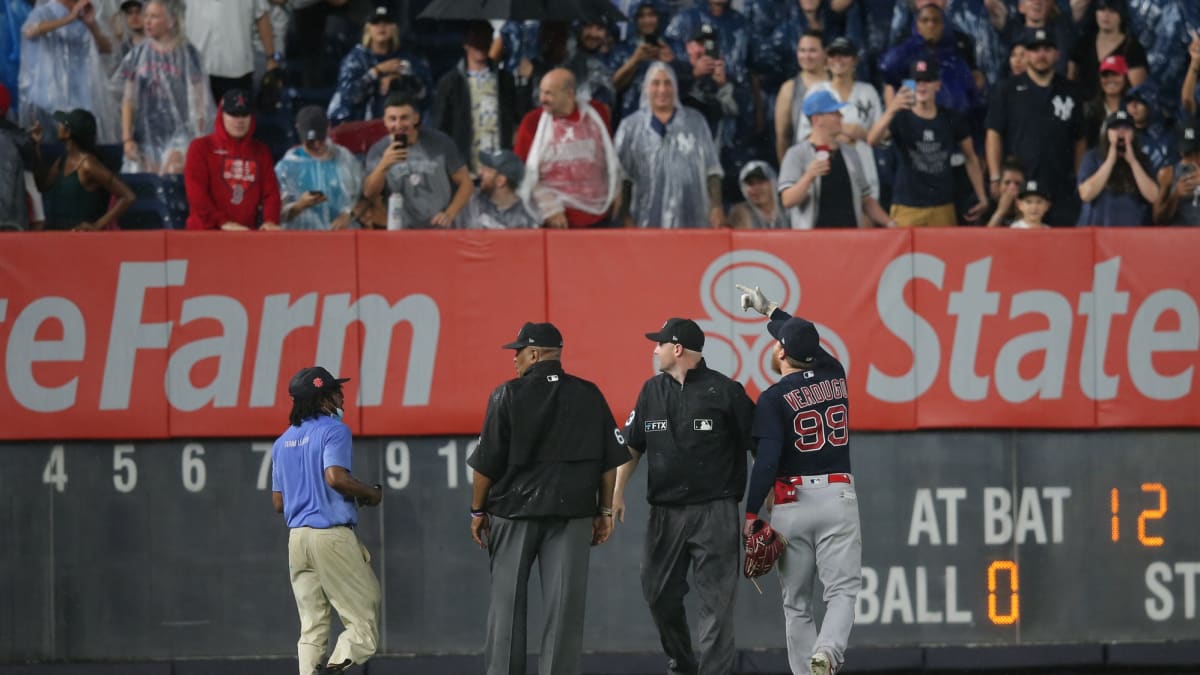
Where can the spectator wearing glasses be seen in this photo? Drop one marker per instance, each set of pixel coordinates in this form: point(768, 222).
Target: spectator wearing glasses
point(1114, 181)
point(319, 180)
point(1179, 185)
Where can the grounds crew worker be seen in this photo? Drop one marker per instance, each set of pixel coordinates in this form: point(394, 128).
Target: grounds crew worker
point(544, 475)
point(694, 426)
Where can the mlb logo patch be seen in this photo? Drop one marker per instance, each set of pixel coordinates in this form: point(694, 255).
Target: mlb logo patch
point(702, 425)
point(656, 425)
point(552, 378)
point(808, 374)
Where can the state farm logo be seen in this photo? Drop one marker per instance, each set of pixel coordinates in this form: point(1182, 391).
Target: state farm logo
point(736, 342)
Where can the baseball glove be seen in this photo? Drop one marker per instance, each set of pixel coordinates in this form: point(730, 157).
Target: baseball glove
point(764, 546)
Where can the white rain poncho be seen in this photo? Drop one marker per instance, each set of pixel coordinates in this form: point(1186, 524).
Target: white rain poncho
point(339, 177)
point(62, 70)
point(571, 164)
point(164, 83)
point(758, 219)
point(669, 171)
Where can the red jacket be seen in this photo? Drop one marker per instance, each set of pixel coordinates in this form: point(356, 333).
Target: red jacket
point(228, 179)
point(524, 144)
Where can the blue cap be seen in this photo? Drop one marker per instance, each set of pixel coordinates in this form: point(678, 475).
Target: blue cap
point(1144, 93)
point(821, 102)
point(799, 338)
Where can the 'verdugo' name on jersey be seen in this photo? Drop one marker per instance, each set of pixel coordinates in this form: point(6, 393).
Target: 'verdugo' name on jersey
point(816, 393)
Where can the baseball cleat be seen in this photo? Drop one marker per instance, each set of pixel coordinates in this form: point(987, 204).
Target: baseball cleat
point(821, 664)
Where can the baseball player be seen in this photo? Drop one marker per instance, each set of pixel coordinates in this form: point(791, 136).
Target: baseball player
point(693, 424)
point(802, 428)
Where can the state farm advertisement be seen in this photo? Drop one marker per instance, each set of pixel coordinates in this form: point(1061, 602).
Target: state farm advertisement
point(182, 334)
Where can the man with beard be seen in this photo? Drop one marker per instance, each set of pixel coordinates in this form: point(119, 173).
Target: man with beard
point(1038, 118)
point(495, 205)
point(590, 62)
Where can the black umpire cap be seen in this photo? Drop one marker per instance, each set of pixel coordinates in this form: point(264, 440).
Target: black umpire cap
point(683, 332)
point(537, 335)
point(314, 381)
point(799, 338)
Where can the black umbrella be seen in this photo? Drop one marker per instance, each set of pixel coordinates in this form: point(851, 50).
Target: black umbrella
point(522, 10)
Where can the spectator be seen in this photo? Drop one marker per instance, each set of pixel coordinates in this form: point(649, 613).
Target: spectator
point(633, 57)
point(1190, 94)
point(476, 102)
point(421, 165)
point(1109, 98)
point(222, 32)
point(761, 210)
point(78, 187)
point(929, 142)
point(61, 43)
point(1033, 203)
point(1179, 185)
point(166, 101)
point(1036, 117)
point(1016, 61)
point(973, 33)
point(1043, 14)
point(789, 105)
point(773, 53)
point(319, 180)
point(571, 166)
point(16, 157)
point(1111, 38)
point(1012, 179)
point(707, 87)
point(128, 26)
point(961, 80)
point(862, 110)
point(591, 62)
point(495, 205)
point(12, 18)
point(1153, 137)
point(718, 56)
point(377, 68)
point(230, 177)
point(551, 40)
point(821, 182)
point(1114, 183)
point(671, 166)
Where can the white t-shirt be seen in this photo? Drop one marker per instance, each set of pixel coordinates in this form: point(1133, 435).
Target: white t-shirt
point(223, 32)
point(1020, 224)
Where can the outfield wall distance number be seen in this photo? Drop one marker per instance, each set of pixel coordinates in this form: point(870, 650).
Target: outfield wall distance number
point(193, 470)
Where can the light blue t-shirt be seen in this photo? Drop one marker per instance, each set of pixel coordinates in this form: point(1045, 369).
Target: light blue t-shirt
point(298, 463)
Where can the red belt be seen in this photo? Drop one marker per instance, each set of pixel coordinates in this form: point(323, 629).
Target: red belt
point(786, 486)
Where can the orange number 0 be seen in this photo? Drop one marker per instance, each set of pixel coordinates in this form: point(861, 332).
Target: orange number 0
point(1014, 598)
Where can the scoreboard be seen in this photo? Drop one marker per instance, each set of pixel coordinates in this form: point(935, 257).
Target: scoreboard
point(162, 549)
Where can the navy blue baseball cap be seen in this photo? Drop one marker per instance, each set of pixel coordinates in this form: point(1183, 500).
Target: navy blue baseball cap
point(821, 102)
point(536, 335)
point(1143, 93)
point(683, 332)
point(799, 338)
point(313, 381)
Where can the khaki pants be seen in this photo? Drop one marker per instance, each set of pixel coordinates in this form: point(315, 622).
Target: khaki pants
point(924, 216)
point(331, 568)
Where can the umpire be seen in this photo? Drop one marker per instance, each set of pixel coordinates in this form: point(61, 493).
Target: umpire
point(694, 425)
point(312, 487)
point(545, 469)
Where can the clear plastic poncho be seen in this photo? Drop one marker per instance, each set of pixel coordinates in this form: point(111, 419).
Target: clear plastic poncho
point(571, 164)
point(340, 177)
point(164, 83)
point(669, 172)
point(62, 70)
point(758, 219)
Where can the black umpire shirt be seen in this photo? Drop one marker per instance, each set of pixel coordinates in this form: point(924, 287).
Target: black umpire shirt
point(547, 439)
point(695, 436)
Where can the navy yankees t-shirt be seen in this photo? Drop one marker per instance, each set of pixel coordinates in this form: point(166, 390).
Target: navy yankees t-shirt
point(924, 149)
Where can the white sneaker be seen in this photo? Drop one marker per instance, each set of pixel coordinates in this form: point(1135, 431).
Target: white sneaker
point(821, 664)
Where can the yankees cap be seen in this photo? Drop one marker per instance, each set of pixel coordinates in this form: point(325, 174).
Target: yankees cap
point(382, 14)
point(925, 69)
point(799, 338)
point(1118, 119)
point(314, 381)
point(683, 332)
point(841, 46)
point(1037, 37)
point(1031, 187)
point(536, 335)
point(1189, 140)
point(311, 123)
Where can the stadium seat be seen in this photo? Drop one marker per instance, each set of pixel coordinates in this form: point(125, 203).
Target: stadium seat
point(358, 137)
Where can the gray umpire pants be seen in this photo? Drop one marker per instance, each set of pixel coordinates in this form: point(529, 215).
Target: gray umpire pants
point(707, 539)
point(824, 539)
point(562, 548)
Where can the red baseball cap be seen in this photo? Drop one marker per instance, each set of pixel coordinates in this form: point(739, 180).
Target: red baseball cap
point(1114, 63)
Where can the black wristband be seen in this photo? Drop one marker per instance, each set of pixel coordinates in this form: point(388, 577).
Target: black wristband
point(478, 513)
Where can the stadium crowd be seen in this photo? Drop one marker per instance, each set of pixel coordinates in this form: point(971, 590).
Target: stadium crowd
point(779, 114)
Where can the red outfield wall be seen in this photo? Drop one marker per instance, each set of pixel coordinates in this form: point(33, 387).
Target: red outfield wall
point(159, 334)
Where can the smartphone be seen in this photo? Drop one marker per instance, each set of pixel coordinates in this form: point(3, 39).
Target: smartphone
point(401, 140)
point(712, 50)
point(909, 84)
point(651, 39)
point(1187, 169)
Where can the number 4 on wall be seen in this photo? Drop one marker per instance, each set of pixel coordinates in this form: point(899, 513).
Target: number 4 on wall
point(55, 472)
